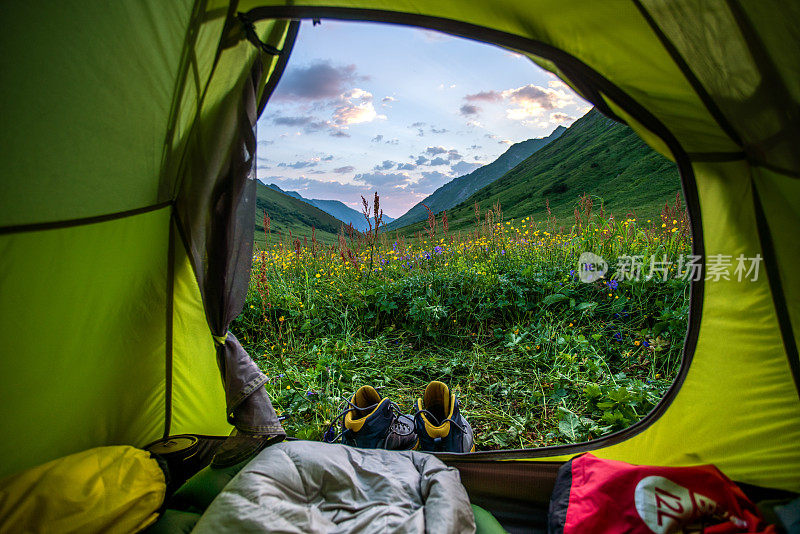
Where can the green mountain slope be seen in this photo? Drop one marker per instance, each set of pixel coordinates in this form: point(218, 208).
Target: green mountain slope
point(337, 209)
point(460, 189)
point(595, 155)
point(288, 213)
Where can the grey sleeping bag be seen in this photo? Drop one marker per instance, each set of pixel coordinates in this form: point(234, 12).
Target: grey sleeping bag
point(308, 487)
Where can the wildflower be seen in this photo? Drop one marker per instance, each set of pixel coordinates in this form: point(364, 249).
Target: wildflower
point(618, 336)
point(281, 318)
point(637, 343)
point(318, 275)
point(658, 375)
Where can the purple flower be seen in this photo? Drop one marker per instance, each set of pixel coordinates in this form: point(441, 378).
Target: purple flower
point(618, 336)
point(612, 284)
point(437, 249)
point(645, 343)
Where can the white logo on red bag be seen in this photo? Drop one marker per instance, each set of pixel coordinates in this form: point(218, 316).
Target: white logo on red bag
point(667, 507)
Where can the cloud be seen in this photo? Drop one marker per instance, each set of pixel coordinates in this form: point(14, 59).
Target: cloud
point(528, 100)
point(453, 155)
point(438, 161)
point(406, 166)
point(377, 139)
point(313, 188)
point(385, 166)
point(387, 100)
point(355, 108)
point(469, 109)
point(420, 132)
point(339, 133)
point(558, 84)
point(484, 96)
point(434, 150)
point(439, 131)
point(462, 167)
point(344, 170)
point(421, 160)
point(392, 141)
point(329, 157)
point(475, 147)
point(318, 81)
point(506, 142)
point(417, 125)
point(298, 164)
point(533, 100)
point(561, 118)
point(430, 181)
point(292, 121)
point(433, 36)
point(377, 179)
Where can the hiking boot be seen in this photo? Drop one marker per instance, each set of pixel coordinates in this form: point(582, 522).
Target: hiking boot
point(439, 424)
point(373, 422)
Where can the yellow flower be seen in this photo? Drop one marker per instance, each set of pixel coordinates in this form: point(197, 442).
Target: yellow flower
point(637, 342)
point(318, 275)
point(281, 318)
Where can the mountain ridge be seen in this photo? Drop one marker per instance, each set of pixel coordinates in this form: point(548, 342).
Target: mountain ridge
point(459, 189)
point(595, 155)
point(335, 208)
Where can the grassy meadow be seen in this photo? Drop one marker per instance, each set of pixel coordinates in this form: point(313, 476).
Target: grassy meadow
point(536, 356)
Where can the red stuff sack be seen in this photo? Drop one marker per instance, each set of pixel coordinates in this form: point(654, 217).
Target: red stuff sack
point(596, 496)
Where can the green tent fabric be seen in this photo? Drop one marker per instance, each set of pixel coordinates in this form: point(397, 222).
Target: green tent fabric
point(120, 125)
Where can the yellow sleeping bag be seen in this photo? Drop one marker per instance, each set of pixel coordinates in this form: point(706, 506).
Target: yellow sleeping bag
point(107, 489)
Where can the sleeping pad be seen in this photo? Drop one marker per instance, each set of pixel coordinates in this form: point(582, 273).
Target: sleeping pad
point(309, 487)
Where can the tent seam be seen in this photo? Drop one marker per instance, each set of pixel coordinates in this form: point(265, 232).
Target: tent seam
point(168, 364)
point(696, 84)
point(95, 219)
point(180, 83)
point(776, 287)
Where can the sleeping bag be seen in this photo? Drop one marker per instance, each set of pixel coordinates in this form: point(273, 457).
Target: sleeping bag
point(308, 487)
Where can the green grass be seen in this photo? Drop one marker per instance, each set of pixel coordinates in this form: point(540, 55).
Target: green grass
point(595, 155)
point(536, 357)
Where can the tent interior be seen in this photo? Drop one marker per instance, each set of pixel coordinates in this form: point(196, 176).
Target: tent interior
point(125, 233)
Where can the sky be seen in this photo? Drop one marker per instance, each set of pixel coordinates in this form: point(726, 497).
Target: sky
point(365, 107)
